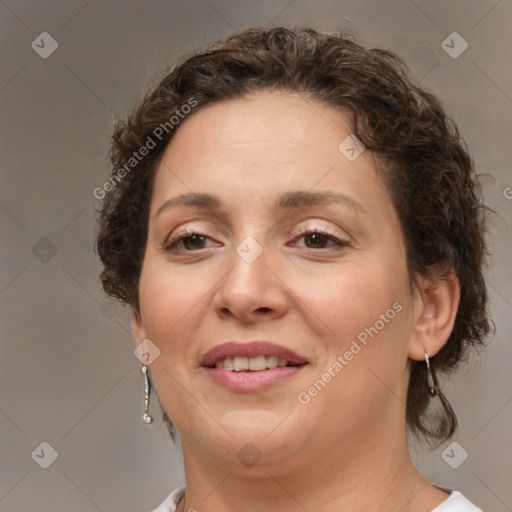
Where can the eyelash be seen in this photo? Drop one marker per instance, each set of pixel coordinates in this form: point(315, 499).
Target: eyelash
point(173, 241)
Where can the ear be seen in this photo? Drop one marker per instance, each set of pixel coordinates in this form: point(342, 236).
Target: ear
point(139, 333)
point(436, 301)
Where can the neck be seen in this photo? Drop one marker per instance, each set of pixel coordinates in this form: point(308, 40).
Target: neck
point(356, 476)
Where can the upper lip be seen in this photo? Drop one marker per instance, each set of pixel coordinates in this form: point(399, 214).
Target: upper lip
point(250, 349)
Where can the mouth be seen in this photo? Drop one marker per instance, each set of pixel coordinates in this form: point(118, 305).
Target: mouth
point(253, 366)
point(251, 356)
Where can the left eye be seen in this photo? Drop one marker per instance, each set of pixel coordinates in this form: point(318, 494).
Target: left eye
point(319, 237)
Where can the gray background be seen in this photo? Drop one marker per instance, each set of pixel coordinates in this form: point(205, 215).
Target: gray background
point(68, 373)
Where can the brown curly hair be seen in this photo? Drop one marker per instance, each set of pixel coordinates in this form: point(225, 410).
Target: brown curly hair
point(424, 162)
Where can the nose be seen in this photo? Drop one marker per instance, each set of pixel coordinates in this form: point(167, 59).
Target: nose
point(251, 291)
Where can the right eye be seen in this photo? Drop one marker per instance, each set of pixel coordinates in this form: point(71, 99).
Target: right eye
point(191, 241)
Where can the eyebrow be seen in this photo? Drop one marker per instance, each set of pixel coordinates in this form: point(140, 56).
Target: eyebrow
point(288, 201)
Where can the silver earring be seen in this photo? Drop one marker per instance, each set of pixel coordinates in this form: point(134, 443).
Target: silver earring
point(430, 378)
point(146, 417)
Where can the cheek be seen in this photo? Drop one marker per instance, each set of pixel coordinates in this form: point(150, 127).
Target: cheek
point(167, 296)
point(363, 367)
point(362, 314)
point(170, 305)
point(167, 302)
point(350, 298)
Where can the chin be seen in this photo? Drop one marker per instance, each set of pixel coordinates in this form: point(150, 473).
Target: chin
point(254, 424)
point(274, 437)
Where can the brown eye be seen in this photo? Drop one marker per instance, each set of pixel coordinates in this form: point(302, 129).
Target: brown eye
point(193, 242)
point(319, 239)
point(190, 241)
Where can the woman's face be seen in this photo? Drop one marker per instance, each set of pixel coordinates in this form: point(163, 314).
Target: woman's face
point(339, 300)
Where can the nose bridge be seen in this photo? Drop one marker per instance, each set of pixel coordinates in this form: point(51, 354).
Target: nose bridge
point(248, 272)
point(249, 285)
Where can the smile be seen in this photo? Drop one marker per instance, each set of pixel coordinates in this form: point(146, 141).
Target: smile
point(253, 364)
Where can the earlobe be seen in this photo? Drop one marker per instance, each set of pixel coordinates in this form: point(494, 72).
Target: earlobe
point(437, 302)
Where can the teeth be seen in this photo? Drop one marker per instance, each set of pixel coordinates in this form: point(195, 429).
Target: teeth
point(258, 363)
point(240, 364)
point(272, 361)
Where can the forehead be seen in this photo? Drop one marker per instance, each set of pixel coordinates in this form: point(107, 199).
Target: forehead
point(265, 136)
point(269, 118)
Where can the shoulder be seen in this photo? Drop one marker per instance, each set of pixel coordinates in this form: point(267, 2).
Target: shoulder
point(457, 502)
point(171, 502)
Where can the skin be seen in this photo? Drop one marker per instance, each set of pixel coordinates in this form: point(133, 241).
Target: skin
point(347, 448)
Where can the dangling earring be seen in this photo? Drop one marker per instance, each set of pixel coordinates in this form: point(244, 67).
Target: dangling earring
point(146, 417)
point(430, 377)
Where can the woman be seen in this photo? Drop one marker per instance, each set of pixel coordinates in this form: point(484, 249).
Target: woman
point(295, 225)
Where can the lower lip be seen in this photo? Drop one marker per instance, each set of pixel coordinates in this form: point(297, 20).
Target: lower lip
point(252, 381)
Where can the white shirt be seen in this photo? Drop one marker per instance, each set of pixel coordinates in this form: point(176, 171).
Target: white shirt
point(456, 502)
